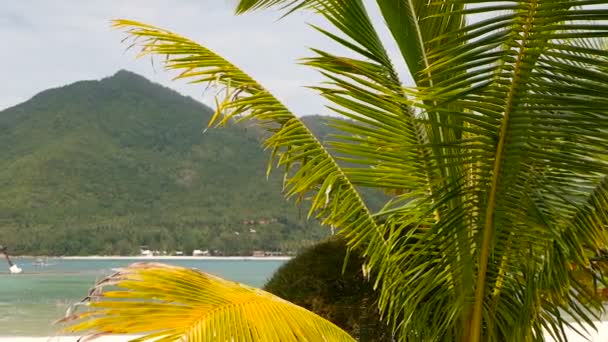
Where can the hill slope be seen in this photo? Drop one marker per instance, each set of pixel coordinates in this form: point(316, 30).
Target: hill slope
point(101, 167)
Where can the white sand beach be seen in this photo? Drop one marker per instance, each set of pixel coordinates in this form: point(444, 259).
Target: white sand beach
point(155, 258)
point(599, 336)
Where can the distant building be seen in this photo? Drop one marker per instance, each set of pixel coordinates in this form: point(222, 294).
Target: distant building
point(146, 252)
point(258, 254)
point(198, 252)
point(179, 253)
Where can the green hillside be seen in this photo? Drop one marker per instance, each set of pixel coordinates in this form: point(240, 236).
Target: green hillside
point(102, 167)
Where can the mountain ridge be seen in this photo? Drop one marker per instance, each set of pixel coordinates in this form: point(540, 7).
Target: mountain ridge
point(104, 166)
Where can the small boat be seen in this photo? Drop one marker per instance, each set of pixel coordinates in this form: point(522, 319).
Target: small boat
point(41, 262)
point(14, 269)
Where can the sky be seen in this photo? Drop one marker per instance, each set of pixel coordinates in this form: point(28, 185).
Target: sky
point(49, 44)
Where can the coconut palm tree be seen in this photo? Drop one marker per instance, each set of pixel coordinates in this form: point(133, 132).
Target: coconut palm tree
point(495, 162)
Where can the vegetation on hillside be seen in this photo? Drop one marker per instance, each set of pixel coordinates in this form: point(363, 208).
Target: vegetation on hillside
point(496, 160)
point(102, 167)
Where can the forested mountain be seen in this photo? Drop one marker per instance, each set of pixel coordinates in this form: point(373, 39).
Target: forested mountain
point(102, 167)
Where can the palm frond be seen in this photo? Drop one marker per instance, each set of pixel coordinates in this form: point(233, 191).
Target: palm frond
point(385, 138)
point(530, 80)
point(310, 168)
point(416, 25)
point(383, 135)
point(179, 304)
point(289, 5)
point(499, 152)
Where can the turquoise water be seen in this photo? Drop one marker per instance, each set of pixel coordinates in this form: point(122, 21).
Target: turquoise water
point(31, 301)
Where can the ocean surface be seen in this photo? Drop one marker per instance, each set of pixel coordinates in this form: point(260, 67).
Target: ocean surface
point(31, 301)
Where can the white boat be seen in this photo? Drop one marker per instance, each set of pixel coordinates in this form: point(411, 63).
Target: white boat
point(14, 269)
point(40, 262)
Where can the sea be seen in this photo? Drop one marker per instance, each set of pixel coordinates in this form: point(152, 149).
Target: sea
point(30, 302)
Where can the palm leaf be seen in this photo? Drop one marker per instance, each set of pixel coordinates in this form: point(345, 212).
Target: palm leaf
point(515, 111)
point(416, 25)
point(175, 304)
point(513, 102)
point(383, 136)
point(386, 137)
point(310, 168)
point(498, 154)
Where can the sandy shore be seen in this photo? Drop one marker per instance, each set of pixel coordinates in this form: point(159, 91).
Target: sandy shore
point(269, 258)
point(600, 336)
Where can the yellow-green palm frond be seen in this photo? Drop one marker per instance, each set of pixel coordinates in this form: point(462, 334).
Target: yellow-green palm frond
point(310, 170)
point(170, 303)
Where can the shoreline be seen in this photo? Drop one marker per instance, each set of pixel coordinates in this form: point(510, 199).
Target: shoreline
point(153, 258)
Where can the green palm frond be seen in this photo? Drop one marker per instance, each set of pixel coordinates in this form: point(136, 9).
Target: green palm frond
point(310, 169)
point(383, 138)
point(289, 6)
point(514, 107)
point(176, 304)
point(513, 102)
point(590, 218)
point(417, 27)
point(498, 155)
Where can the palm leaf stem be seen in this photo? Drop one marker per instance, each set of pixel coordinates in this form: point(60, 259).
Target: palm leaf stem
point(476, 318)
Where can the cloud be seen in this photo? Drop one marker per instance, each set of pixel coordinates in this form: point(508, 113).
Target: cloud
point(53, 43)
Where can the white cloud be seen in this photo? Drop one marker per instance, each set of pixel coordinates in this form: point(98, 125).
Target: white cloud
point(52, 43)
